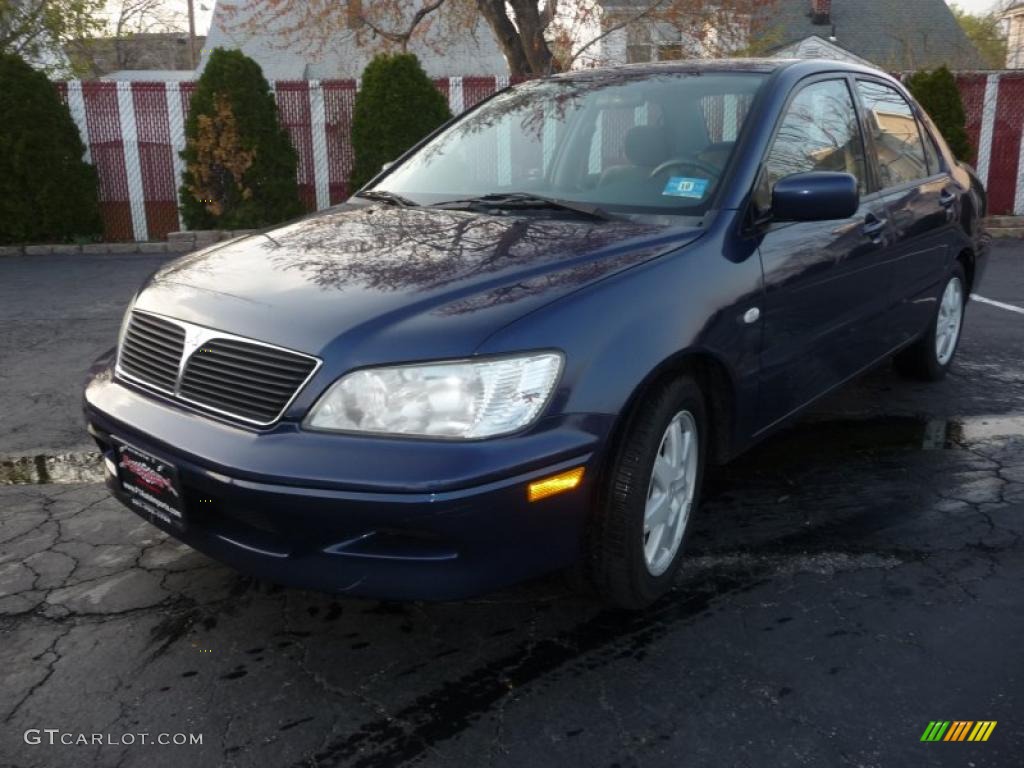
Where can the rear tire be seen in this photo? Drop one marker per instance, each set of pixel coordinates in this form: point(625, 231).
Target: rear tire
point(929, 358)
point(650, 495)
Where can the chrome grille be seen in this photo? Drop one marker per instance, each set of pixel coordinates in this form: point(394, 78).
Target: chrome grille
point(235, 377)
point(151, 351)
point(244, 379)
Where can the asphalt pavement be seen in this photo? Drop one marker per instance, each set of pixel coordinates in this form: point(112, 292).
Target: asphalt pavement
point(58, 313)
point(851, 580)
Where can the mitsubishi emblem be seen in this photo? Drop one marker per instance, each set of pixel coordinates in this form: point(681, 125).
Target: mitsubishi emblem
point(194, 339)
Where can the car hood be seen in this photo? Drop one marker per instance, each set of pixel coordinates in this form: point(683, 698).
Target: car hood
point(389, 283)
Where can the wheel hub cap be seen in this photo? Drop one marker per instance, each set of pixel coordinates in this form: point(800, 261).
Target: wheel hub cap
point(670, 493)
point(947, 326)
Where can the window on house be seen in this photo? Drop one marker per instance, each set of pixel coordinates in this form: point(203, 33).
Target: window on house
point(637, 54)
point(670, 51)
point(354, 14)
point(897, 139)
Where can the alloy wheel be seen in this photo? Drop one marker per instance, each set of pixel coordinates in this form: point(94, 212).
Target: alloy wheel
point(947, 326)
point(670, 492)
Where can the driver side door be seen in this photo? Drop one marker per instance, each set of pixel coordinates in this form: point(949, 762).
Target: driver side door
point(825, 281)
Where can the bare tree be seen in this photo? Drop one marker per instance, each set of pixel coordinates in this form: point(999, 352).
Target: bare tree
point(403, 35)
point(537, 37)
point(136, 17)
point(109, 45)
point(310, 26)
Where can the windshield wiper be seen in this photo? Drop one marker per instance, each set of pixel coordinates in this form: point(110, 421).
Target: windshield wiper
point(383, 196)
point(525, 200)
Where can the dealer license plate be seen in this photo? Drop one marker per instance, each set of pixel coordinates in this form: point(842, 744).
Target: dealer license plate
point(151, 485)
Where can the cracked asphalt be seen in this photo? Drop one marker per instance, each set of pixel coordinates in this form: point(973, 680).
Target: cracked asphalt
point(850, 580)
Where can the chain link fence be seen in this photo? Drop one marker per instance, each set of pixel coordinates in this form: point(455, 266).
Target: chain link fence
point(994, 103)
point(134, 131)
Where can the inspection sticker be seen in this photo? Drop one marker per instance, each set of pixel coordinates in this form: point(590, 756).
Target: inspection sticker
point(682, 186)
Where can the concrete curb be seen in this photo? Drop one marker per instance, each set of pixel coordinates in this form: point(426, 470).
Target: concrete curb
point(1004, 221)
point(1004, 227)
point(72, 466)
point(177, 242)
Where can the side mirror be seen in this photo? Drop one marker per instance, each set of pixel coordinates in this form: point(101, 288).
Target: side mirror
point(815, 196)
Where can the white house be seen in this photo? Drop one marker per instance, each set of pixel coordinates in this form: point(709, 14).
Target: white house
point(345, 53)
point(907, 34)
point(610, 32)
point(1013, 17)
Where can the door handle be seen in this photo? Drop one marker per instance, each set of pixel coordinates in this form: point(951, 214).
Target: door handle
point(947, 198)
point(874, 226)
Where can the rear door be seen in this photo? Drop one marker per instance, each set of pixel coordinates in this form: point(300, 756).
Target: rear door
point(826, 282)
point(919, 196)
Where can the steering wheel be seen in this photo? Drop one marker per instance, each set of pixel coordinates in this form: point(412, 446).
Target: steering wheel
point(692, 162)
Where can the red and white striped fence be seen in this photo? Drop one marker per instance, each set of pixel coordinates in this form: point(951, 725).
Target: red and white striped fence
point(995, 123)
point(133, 132)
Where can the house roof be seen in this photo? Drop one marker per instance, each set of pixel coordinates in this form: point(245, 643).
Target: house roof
point(906, 34)
point(815, 47)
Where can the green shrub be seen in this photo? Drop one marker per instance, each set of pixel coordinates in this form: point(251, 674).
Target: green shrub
point(936, 91)
point(47, 192)
point(396, 106)
point(239, 162)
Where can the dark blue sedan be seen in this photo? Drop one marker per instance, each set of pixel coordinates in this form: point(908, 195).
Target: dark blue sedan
point(519, 346)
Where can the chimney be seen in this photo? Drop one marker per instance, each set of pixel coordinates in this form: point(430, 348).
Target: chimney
point(821, 11)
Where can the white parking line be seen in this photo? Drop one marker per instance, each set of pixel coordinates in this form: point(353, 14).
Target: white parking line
point(1001, 305)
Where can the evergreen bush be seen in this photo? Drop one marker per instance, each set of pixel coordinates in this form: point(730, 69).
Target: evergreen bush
point(396, 106)
point(239, 161)
point(48, 193)
point(937, 92)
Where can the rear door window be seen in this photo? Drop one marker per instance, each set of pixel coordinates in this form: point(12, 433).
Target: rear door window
point(931, 152)
point(896, 136)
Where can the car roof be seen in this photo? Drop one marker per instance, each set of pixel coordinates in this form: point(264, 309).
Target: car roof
point(709, 66)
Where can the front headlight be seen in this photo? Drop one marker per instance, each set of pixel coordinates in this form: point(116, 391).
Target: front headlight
point(463, 399)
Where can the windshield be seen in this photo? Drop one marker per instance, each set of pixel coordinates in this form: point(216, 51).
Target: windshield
point(630, 142)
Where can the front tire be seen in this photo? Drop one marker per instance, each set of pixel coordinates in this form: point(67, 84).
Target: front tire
point(649, 498)
point(930, 357)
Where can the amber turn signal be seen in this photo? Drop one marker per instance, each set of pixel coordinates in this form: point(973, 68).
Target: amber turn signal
point(560, 483)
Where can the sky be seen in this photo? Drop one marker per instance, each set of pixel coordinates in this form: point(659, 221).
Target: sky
point(203, 11)
point(202, 16)
point(975, 6)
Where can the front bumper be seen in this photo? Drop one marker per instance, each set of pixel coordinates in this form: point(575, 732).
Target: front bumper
point(394, 519)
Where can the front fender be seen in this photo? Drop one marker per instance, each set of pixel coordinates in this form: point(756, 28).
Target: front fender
point(617, 332)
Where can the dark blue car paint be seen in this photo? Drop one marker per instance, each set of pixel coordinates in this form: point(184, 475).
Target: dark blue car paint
point(625, 300)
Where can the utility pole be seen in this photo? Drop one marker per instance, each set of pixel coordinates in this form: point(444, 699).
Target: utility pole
point(192, 34)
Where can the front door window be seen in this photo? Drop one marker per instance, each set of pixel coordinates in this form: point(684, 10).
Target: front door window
point(819, 132)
